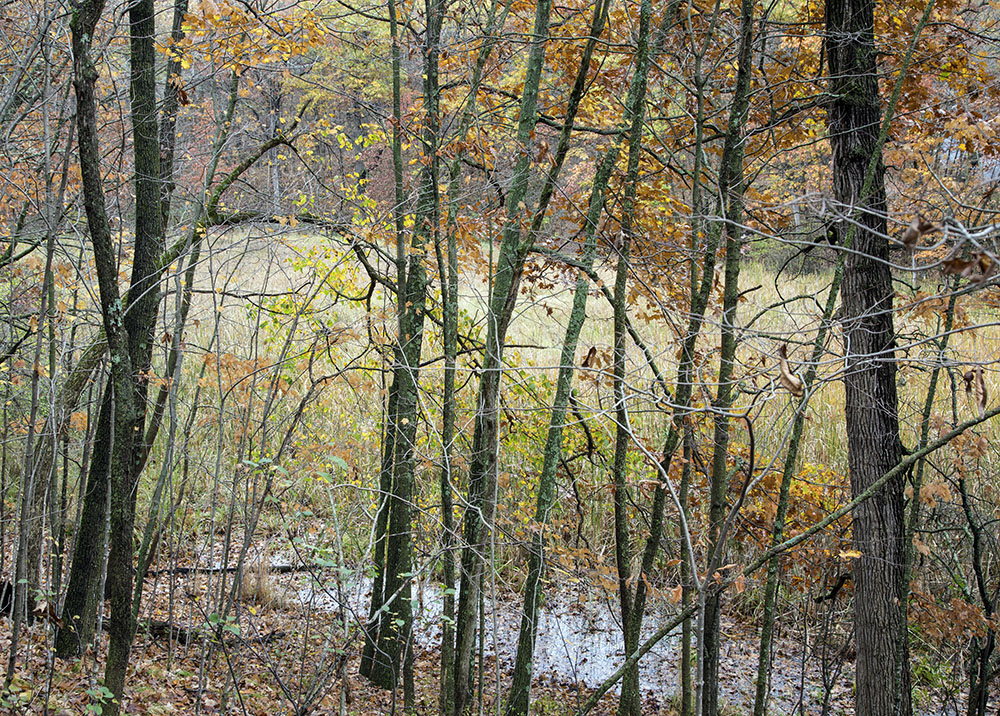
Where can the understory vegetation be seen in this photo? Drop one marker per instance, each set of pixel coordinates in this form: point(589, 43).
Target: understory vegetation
point(604, 357)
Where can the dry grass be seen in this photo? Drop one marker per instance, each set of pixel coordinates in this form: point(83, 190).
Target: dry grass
point(260, 587)
point(347, 418)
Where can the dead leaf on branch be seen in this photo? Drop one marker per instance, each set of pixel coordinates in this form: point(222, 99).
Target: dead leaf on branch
point(917, 228)
point(791, 382)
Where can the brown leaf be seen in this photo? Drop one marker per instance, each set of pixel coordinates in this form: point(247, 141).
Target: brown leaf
point(792, 383)
point(917, 228)
point(987, 267)
point(740, 584)
point(975, 383)
point(957, 267)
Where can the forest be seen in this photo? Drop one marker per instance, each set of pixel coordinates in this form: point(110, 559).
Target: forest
point(505, 357)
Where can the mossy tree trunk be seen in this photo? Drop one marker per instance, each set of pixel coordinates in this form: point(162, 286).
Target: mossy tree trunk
point(393, 643)
point(128, 332)
point(731, 188)
point(389, 432)
point(514, 248)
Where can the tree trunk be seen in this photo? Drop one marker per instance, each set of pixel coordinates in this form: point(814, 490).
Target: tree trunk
point(449, 309)
point(79, 613)
point(168, 120)
point(129, 333)
point(380, 531)
point(687, 680)
point(139, 322)
point(393, 648)
point(450, 316)
point(870, 382)
point(482, 471)
point(121, 413)
point(731, 185)
point(520, 693)
point(390, 432)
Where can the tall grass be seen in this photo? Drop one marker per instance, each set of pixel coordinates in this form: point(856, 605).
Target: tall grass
point(336, 446)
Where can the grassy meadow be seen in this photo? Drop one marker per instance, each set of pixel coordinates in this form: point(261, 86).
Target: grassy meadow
point(305, 331)
point(270, 452)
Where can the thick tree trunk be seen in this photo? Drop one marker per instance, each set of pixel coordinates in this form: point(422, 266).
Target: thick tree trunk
point(129, 333)
point(121, 421)
point(139, 323)
point(870, 383)
point(83, 591)
point(80, 606)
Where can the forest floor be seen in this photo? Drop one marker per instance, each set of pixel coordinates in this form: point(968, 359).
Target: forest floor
point(301, 652)
point(579, 645)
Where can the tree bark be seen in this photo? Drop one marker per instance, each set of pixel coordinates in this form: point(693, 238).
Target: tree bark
point(83, 590)
point(380, 531)
point(120, 422)
point(870, 383)
point(390, 431)
point(393, 645)
point(129, 332)
point(450, 311)
point(482, 471)
point(518, 700)
point(731, 185)
point(138, 322)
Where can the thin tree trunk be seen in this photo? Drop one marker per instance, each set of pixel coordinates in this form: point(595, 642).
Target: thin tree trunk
point(450, 317)
point(381, 531)
point(449, 305)
point(982, 647)
point(168, 119)
point(518, 699)
point(482, 471)
point(634, 120)
point(394, 643)
point(731, 185)
point(390, 431)
point(629, 703)
point(44, 474)
point(687, 684)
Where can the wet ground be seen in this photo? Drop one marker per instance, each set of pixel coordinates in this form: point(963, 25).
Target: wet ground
point(579, 643)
